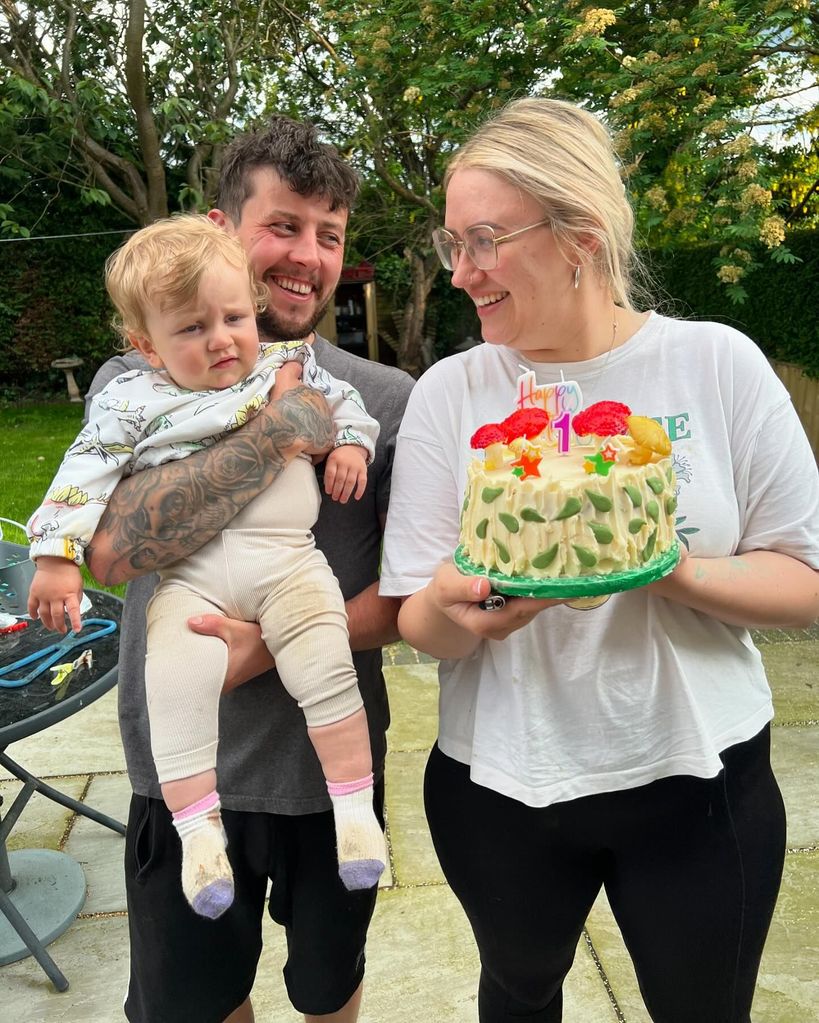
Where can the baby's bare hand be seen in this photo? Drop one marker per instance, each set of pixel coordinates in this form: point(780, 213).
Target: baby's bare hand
point(345, 474)
point(56, 591)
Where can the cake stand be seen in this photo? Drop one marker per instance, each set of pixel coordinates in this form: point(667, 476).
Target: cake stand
point(581, 592)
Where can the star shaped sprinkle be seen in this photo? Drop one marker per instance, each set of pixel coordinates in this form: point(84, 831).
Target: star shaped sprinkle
point(597, 464)
point(529, 464)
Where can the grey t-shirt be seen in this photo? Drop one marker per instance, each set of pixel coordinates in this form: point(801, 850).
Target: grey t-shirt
point(265, 760)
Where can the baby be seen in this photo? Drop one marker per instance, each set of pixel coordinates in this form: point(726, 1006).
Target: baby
point(187, 300)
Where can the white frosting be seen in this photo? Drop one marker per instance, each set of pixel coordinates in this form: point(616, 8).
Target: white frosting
point(580, 534)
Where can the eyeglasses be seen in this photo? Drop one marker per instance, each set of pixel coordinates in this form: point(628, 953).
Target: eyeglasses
point(479, 243)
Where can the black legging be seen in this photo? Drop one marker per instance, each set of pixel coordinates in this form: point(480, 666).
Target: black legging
point(691, 868)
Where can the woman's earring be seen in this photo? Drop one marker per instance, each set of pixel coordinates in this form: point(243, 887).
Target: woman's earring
point(577, 276)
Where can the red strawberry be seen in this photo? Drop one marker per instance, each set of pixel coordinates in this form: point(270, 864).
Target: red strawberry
point(486, 435)
point(526, 422)
point(603, 419)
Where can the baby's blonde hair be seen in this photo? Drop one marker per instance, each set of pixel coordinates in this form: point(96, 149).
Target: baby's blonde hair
point(562, 157)
point(163, 264)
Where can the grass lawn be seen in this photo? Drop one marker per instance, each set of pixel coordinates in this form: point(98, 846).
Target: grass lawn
point(33, 440)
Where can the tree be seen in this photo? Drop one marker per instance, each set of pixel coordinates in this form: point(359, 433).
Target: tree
point(702, 93)
point(399, 85)
point(121, 102)
point(687, 86)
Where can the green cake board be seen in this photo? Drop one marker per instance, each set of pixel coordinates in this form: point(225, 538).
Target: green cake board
point(577, 586)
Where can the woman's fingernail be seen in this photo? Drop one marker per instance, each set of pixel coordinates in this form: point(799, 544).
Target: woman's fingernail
point(476, 587)
point(196, 620)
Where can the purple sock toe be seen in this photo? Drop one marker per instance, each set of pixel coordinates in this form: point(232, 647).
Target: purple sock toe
point(213, 900)
point(357, 874)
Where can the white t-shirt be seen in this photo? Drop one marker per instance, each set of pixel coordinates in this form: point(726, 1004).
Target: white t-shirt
point(580, 702)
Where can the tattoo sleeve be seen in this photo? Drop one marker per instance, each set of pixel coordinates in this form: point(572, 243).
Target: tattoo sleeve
point(159, 516)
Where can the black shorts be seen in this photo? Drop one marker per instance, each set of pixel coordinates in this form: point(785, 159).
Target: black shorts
point(188, 969)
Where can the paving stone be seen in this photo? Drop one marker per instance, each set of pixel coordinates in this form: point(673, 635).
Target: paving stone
point(402, 653)
point(422, 965)
point(43, 823)
point(99, 849)
point(414, 858)
point(413, 692)
point(788, 988)
point(86, 743)
point(795, 759)
point(793, 673)
point(93, 955)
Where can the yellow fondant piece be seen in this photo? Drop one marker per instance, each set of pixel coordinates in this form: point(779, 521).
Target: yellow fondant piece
point(648, 433)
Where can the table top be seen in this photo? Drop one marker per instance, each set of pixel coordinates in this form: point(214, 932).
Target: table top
point(37, 705)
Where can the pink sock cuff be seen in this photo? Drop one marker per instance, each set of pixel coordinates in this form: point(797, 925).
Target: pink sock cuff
point(205, 803)
point(345, 788)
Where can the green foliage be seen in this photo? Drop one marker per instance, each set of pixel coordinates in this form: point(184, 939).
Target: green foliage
point(686, 85)
point(33, 440)
point(779, 312)
point(85, 115)
point(53, 302)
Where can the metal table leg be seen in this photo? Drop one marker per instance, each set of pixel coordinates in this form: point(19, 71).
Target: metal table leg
point(59, 797)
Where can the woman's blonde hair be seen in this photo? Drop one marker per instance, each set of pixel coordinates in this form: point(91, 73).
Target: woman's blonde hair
point(563, 157)
point(162, 265)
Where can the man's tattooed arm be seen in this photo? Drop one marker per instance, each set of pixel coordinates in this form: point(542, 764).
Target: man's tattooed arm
point(159, 516)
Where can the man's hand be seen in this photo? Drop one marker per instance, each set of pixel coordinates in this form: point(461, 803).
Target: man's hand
point(346, 473)
point(247, 654)
point(56, 591)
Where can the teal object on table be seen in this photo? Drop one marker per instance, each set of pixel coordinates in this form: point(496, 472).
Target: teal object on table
point(51, 654)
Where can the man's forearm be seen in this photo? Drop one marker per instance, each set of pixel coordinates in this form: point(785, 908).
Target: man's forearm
point(158, 516)
point(372, 620)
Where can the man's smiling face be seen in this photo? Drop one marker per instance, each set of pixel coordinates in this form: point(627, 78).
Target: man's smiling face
point(295, 245)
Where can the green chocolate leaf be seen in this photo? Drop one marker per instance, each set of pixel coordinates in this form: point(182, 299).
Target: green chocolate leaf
point(480, 529)
point(602, 534)
point(671, 505)
point(571, 507)
point(636, 525)
point(465, 505)
point(656, 484)
point(545, 558)
point(503, 553)
point(585, 556)
point(600, 501)
point(488, 494)
point(648, 550)
point(509, 521)
point(634, 494)
point(669, 473)
point(531, 515)
point(653, 510)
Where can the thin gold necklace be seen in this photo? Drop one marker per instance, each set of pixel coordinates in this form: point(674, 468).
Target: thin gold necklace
point(602, 369)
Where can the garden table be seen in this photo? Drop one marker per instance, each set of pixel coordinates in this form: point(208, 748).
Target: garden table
point(42, 890)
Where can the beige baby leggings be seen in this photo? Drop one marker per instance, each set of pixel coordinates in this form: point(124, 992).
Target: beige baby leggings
point(264, 567)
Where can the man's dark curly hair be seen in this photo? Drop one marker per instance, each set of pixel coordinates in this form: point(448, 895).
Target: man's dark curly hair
point(293, 150)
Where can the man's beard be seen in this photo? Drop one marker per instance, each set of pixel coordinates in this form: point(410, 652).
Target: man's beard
point(273, 325)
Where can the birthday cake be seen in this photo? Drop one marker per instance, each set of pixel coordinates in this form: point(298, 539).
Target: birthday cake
point(570, 505)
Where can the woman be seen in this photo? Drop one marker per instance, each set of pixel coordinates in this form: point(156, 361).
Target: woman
point(627, 746)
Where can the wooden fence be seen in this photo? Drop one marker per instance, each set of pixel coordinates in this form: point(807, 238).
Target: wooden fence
point(804, 394)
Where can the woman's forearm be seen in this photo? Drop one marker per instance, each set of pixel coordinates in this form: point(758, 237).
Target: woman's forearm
point(760, 589)
point(429, 629)
point(158, 516)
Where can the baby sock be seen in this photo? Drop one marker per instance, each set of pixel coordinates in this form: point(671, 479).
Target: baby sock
point(207, 879)
point(362, 851)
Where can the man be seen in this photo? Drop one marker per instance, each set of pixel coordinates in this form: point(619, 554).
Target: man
point(287, 198)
